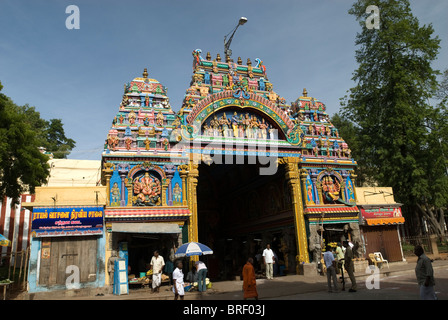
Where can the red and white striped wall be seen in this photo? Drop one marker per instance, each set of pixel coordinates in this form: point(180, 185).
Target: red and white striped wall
point(15, 223)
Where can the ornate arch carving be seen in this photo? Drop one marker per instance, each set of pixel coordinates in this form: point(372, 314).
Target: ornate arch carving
point(229, 98)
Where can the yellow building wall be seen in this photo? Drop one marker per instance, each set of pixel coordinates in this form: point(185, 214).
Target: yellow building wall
point(374, 195)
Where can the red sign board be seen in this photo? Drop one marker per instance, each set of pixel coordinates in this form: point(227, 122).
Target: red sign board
point(373, 213)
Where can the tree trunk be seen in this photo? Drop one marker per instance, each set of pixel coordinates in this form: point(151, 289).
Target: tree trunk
point(434, 222)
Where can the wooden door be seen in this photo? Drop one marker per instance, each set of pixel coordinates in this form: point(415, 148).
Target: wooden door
point(383, 239)
point(67, 251)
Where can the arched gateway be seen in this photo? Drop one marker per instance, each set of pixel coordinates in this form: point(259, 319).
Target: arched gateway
point(236, 168)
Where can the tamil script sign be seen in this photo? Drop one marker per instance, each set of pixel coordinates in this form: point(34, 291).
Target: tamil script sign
point(381, 213)
point(67, 221)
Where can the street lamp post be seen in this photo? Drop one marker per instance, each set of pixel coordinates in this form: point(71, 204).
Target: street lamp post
point(227, 50)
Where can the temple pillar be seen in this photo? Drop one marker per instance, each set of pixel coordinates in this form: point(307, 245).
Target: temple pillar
point(183, 172)
point(192, 182)
point(304, 191)
point(169, 171)
point(292, 176)
point(123, 170)
point(319, 192)
point(108, 170)
point(316, 195)
point(129, 186)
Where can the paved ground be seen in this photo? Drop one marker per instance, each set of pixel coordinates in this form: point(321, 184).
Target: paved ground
point(396, 282)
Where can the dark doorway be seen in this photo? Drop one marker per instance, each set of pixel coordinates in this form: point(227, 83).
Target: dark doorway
point(239, 210)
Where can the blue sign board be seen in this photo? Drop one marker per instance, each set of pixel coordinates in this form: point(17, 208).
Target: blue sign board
point(67, 221)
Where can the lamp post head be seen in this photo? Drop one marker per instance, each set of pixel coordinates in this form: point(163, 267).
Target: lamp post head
point(242, 21)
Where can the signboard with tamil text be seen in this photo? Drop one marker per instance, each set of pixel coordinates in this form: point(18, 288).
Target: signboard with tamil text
point(67, 221)
point(381, 213)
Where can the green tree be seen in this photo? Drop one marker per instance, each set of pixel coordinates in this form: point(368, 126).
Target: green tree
point(398, 128)
point(50, 134)
point(22, 166)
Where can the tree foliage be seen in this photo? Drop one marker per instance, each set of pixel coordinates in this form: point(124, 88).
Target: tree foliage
point(398, 129)
point(50, 134)
point(22, 166)
point(22, 131)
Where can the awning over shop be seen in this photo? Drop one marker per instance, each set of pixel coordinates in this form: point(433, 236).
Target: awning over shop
point(332, 209)
point(140, 227)
point(147, 213)
point(384, 221)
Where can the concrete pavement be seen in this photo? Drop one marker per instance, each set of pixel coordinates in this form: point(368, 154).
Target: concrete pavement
point(232, 290)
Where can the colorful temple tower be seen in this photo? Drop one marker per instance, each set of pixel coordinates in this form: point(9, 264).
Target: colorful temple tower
point(190, 174)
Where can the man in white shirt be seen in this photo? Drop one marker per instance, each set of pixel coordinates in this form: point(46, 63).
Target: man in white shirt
point(157, 264)
point(330, 263)
point(268, 258)
point(178, 282)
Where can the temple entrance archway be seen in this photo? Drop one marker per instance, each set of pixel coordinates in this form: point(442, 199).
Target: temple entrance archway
point(239, 212)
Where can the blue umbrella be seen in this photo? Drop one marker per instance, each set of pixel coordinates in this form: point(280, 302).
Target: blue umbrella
point(192, 249)
point(4, 242)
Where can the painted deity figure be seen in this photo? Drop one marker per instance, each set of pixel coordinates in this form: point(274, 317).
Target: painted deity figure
point(215, 125)
point(235, 122)
point(330, 188)
point(350, 191)
point(224, 122)
point(177, 193)
point(147, 190)
point(131, 117)
point(272, 133)
point(112, 141)
point(311, 129)
point(147, 144)
point(225, 80)
point(263, 129)
point(205, 129)
point(254, 126)
point(159, 119)
point(128, 143)
point(309, 191)
point(115, 194)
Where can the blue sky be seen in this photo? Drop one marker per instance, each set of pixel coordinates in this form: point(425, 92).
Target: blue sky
point(78, 75)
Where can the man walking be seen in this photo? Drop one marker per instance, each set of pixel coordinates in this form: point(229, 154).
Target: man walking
point(425, 275)
point(330, 263)
point(340, 263)
point(178, 281)
point(349, 266)
point(157, 264)
point(268, 258)
point(249, 280)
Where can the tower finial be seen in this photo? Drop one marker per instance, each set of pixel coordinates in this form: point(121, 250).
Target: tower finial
point(145, 73)
point(305, 93)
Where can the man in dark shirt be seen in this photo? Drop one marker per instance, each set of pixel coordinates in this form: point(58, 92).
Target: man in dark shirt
point(349, 266)
point(425, 275)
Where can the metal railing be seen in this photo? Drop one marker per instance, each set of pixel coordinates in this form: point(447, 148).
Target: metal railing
point(14, 266)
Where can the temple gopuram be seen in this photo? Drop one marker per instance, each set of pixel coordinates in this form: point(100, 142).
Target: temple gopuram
point(235, 168)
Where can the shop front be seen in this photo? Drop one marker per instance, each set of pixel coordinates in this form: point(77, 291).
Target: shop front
point(67, 245)
point(380, 217)
point(134, 234)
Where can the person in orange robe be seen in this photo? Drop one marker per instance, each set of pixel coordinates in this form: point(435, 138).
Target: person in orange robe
point(249, 283)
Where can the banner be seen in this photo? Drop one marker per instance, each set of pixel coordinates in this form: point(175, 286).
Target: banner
point(381, 213)
point(67, 221)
